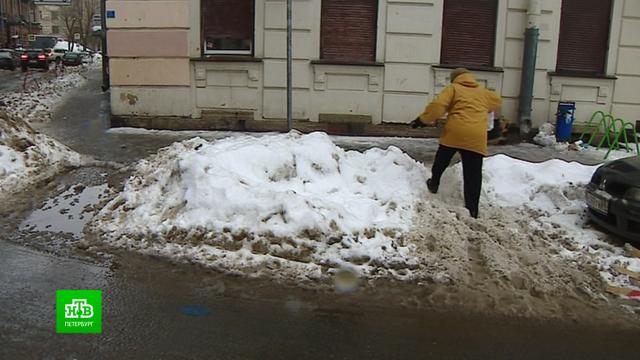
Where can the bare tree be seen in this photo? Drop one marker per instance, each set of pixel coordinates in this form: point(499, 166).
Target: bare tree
point(77, 19)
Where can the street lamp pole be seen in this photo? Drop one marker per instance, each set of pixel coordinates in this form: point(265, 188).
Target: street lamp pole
point(289, 82)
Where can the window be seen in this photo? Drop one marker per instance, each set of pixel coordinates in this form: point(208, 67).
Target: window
point(469, 32)
point(54, 15)
point(584, 36)
point(227, 26)
point(55, 30)
point(348, 30)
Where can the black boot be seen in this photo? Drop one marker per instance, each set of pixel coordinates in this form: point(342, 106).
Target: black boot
point(433, 188)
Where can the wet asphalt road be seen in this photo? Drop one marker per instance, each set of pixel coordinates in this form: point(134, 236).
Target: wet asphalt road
point(255, 320)
point(248, 319)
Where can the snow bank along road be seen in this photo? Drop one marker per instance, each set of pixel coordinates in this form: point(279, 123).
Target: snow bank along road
point(26, 156)
point(297, 207)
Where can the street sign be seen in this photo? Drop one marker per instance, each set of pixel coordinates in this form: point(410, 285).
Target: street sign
point(52, 2)
point(76, 36)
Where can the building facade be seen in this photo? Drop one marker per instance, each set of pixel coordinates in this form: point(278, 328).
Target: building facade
point(17, 21)
point(50, 19)
point(380, 60)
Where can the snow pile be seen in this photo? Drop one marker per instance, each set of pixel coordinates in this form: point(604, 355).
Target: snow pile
point(42, 95)
point(297, 206)
point(533, 229)
point(279, 200)
point(27, 157)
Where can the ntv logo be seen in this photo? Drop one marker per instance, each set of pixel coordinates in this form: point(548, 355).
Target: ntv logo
point(79, 311)
point(79, 308)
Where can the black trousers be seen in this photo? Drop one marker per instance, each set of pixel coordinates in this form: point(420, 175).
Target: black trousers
point(471, 170)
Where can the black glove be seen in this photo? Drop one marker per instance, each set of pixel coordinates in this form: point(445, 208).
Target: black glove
point(417, 123)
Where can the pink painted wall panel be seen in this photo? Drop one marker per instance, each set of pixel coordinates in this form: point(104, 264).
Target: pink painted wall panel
point(148, 43)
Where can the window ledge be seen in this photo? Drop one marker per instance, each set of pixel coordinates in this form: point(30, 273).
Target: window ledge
point(346, 63)
point(469, 67)
point(582, 75)
point(227, 58)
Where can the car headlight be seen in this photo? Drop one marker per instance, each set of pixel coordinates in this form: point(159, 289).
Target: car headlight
point(633, 194)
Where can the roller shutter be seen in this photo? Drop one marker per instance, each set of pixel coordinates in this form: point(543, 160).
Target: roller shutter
point(348, 30)
point(469, 32)
point(584, 36)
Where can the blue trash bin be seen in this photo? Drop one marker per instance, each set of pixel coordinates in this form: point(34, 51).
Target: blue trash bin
point(565, 117)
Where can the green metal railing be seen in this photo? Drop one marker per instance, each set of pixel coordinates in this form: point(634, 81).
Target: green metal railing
point(613, 131)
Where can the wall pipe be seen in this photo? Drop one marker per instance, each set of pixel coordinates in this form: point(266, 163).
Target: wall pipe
point(528, 68)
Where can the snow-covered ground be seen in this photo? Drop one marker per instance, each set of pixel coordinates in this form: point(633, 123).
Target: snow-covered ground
point(298, 206)
point(41, 95)
point(27, 157)
point(533, 228)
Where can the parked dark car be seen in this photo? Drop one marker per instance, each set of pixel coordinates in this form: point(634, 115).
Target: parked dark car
point(613, 197)
point(34, 58)
point(72, 59)
point(9, 59)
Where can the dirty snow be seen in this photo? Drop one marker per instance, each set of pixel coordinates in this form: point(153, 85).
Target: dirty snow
point(533, 230)
point(27, 157)
point(280, 197)
point(298, 206)
point(41, 95)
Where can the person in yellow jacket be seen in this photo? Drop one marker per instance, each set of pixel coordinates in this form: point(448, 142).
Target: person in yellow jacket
point(466, 104)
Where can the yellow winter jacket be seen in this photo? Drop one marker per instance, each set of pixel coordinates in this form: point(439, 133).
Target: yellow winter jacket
point(467, 104)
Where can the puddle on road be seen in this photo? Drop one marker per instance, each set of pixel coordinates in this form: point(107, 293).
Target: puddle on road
point(68, 212)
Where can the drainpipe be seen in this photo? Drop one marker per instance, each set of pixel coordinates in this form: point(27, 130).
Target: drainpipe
point(528, 67)
point(103, 34)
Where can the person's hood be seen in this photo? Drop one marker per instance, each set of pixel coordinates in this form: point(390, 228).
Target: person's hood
point(466, 79)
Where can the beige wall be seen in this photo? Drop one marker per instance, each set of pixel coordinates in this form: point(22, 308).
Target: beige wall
point(149, 47)
point(408, 47)
point(148, 43)
point(626, 94)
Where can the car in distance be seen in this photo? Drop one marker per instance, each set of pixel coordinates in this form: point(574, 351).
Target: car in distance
point(72, 59)
point(9, 60)
point(56, 55)
point(613, 197)
point(34, 58)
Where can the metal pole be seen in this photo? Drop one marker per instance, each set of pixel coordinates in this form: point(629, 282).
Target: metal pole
point(528, 68)
point(103, 34)
point(289, 61)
